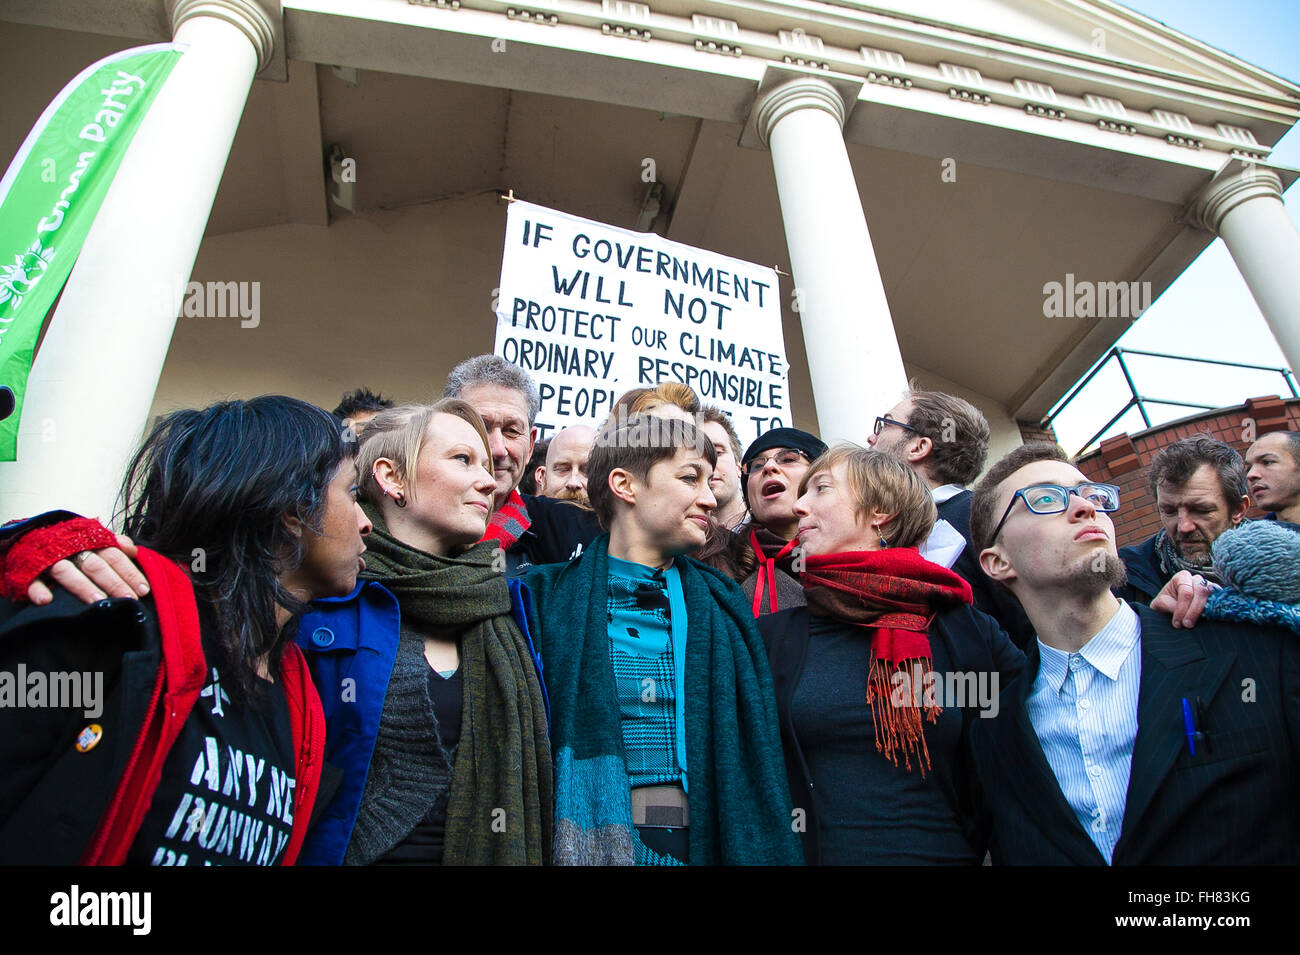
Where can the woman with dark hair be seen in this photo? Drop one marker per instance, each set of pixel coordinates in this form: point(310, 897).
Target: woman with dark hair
point(207, 748)
point(431, 687)
point(878, 676)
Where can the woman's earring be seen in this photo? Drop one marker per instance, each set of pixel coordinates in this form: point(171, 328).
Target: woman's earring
point(884, 544)
point(399, 499)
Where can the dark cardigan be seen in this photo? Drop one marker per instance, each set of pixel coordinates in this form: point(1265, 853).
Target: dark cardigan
point(962, 639)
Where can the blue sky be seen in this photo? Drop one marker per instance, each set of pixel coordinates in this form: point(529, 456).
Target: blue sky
point(1208, 312)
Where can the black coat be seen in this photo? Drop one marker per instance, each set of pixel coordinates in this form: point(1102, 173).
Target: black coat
point(1145, 579)
point(52, 797)
point(962, 640)
point(1236, 802)
point(990, 596)
point(560, 531)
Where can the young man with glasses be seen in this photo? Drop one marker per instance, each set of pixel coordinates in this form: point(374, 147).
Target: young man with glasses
point(772, 468)
point(1125, 741)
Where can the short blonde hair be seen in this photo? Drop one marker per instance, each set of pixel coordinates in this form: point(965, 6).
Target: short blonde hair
point(398, 434)
point(879, 482)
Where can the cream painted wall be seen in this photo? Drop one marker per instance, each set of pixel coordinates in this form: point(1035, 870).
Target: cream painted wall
point(391, 300)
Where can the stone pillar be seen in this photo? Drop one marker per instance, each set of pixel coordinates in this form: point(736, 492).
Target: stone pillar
point(93, 380)
point(853, 357)
point(1245, 209)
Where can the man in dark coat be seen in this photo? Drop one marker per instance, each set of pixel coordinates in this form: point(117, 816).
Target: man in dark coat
point(1199, 486)
point(1124, 741)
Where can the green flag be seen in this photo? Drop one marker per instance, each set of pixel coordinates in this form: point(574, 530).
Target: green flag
point(52, 191)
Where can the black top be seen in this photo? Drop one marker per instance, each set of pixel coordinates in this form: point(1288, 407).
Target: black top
point(227, 787)
point(859, 808)
point(560, 531)
point(423, 845)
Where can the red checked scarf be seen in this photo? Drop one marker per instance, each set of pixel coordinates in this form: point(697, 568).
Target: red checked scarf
point(896, 593)
point(509, 522)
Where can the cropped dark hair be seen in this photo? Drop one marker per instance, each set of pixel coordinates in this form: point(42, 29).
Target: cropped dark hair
point(1175, 465)
point(363, 399)
point(984, 499)
point(210, 489)
point(958, 433)
point(716, 415)
point(636, 445)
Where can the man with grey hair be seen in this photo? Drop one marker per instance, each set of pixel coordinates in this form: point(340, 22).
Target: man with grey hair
point(531, 530)
point(1199, 486)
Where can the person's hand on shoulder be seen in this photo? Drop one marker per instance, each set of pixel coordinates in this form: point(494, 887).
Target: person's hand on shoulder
point(1184, 598)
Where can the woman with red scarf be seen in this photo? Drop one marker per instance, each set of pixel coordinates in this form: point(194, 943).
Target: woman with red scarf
point(878, 676)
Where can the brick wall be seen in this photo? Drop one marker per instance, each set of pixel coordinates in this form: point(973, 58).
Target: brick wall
point(1123, 460)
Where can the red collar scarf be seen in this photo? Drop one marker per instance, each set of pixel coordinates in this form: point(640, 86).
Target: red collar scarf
point(764, 542)
point(509, 522)
point(896, 593)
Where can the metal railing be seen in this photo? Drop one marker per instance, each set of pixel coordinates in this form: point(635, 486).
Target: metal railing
point(1140, 400)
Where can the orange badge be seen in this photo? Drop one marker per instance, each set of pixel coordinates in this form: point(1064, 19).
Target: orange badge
point(89, 738)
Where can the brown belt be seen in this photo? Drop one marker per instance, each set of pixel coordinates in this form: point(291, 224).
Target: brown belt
point(660, 807)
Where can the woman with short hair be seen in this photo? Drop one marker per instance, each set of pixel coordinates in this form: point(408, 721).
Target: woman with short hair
point(436, 711)
point(877, 677)
point(207, 749)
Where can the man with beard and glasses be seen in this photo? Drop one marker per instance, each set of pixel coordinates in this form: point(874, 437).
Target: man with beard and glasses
point(1199, 486)
point(1124, 741)
point(564, 475)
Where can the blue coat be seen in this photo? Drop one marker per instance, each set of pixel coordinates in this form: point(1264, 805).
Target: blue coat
point(351, 643)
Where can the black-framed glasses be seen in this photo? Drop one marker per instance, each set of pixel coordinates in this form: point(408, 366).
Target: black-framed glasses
point(1054, 498)
point(882, 421)
point(785, 457)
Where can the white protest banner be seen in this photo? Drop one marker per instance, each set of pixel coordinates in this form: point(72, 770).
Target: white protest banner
point(591, 311)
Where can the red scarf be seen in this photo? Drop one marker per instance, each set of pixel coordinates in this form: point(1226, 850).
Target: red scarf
point(509, 522)
point(767, 567)
point(896, 593)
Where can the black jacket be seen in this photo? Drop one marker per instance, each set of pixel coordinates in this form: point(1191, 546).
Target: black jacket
point(1236, 802)
point(962, 640)
point(560, 531)
point(1145, 579)
point(990, 596)
point(52, 797)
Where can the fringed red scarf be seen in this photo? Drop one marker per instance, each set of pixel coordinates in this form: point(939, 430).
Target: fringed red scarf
point(897, 593)
point(509, 522)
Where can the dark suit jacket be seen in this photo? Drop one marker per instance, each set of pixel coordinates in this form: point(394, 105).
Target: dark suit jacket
point(1236, 802)
point(990, 596)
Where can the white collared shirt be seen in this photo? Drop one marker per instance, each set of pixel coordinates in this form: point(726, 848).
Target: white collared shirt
point(945, 543)
point(1083, 707)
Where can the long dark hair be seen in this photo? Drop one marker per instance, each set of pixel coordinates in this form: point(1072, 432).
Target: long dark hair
point(210, 488)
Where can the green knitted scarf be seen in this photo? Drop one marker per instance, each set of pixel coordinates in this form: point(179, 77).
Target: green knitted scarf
point(501, 802)
point(739, 798)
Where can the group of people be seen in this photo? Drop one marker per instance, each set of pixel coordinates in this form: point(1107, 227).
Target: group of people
point(676, 651)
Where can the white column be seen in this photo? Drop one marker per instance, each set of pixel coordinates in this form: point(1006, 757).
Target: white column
point(93, 380)
point(1245, 209)
point(853, 358)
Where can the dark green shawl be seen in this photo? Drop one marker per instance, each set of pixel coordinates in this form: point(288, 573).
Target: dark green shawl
point(500, 804)
point(740, 804)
